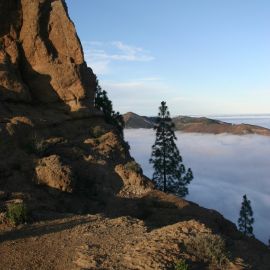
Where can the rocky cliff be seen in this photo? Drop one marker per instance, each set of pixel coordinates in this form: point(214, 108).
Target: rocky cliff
point(57, 154)
point(41, 56)
point(50, 133)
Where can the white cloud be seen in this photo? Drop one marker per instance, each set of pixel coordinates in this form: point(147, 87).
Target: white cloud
point(131, 53)
point(225, 167)
point(100, 55)
point(142, 84)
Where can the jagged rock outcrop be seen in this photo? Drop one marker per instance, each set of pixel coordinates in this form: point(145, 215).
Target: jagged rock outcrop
point(48, 124)
point(51, 171)
point(41, 57)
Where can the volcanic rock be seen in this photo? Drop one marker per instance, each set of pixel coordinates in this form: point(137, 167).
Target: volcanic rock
point(41, 57)
point(47, 119)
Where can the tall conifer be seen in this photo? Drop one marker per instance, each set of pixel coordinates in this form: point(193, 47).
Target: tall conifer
point(246, 219)
point(170, 174)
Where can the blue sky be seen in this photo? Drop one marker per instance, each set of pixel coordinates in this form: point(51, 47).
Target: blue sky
point(204, 57)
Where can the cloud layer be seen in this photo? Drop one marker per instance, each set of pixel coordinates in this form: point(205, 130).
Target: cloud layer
point(225, 168)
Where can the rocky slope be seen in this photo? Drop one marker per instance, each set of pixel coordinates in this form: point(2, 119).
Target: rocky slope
point(57, 154)
point(48, 125)
point(153, 232)
point(196, 125)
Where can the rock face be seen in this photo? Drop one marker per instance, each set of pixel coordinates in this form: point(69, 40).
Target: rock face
point(41, 57)
point(52, 172)
point(48, 124)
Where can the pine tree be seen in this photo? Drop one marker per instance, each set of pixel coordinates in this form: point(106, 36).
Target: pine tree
point(170, 174)
point(246, 219)
point(103, 103)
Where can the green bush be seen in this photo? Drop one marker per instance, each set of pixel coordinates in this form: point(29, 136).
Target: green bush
point(17, 213)
point(103, 103)
point(39, 146)
point(97, 131)
point(210, 249)
point(181, 265)
point(133, 166)
point(35, 145)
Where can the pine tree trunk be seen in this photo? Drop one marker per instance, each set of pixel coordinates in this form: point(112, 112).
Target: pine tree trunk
point(164, 165)
point(245, 231)
point(164, 178)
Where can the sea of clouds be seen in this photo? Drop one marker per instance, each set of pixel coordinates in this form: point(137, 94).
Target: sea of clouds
point(225, 168)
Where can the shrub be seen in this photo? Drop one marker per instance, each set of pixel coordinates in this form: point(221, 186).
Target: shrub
point(35, 145)
point(97, 131)
point(127, 145)
point(39, 146)
point(17, 213)
point(210, 249)
point(133, 166)
point(103, 103)
point(181, 265)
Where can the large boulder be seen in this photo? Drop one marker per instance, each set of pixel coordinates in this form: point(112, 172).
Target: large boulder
point(52, 172)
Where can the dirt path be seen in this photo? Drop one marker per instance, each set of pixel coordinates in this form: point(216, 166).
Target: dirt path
point(75, 242)
point(45, 245)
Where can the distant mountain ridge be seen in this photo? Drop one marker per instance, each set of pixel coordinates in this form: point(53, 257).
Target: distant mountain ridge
point(196, 125)
point(133, 120)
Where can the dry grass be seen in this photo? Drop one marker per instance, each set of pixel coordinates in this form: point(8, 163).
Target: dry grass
point(210, 249)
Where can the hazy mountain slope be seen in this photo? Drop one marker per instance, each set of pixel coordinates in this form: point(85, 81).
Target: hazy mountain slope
point(133, 120)
point(197, 125)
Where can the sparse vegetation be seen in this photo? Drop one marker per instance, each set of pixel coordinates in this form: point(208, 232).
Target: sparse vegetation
point(35, 145)
point(181, 265)
point(17, 213)
point(103, 103)
point(133, 166)
point(210, 249)
point(97, 131)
